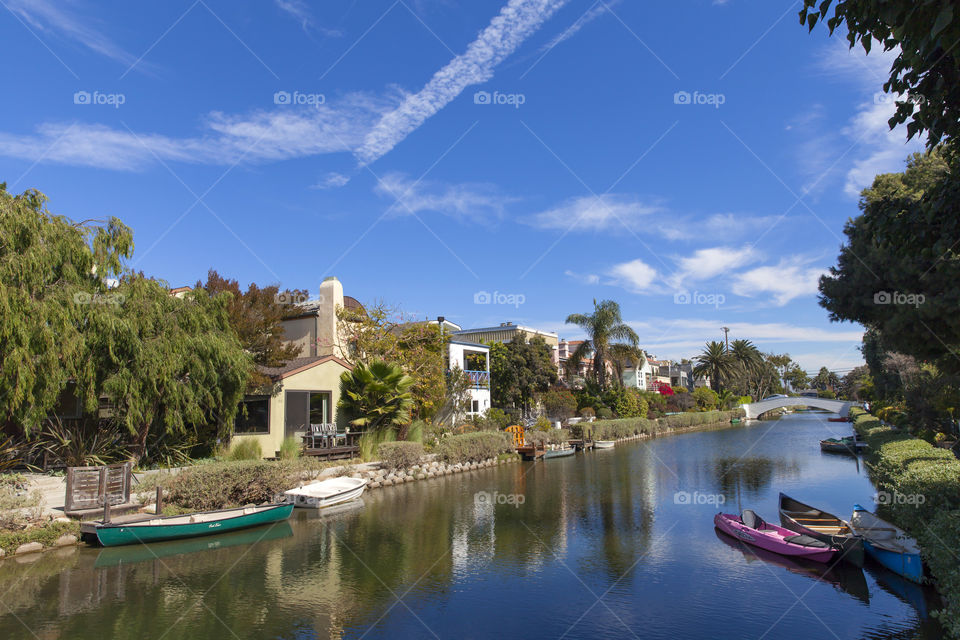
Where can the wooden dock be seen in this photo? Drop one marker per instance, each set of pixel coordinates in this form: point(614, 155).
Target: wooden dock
point(333, 453)
point(531, 452)
point(581, 445)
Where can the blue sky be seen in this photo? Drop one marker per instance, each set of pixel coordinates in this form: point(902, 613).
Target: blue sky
point(694, 161)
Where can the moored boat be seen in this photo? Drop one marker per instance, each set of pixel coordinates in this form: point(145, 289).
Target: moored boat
point(325, 493)
point(752, 529)
point(826, 527)
point(839, 419)
point(604, 444)
point(847, 444)
point(888, 544)
point(558, 453)
point(151, 528)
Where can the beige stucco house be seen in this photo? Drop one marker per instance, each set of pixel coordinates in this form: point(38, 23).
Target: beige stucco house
point(308, 387)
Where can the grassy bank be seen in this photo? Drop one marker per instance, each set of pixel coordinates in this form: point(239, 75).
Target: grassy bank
point(920, 485)
point(626, 427)
point(45, 533)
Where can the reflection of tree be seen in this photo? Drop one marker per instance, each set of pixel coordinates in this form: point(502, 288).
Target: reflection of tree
point(749, 475)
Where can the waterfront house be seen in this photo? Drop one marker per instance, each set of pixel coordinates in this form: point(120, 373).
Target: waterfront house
point(474, 360)
point(507, 332)
point(306, 389)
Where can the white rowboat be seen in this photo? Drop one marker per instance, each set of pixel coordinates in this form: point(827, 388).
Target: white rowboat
point(604, 444)
point(326, 492)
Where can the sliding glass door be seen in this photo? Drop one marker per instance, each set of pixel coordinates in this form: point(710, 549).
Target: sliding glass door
point(305, 408)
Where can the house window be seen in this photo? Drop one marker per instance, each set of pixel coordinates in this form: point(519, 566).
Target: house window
point(256, 418)
point(475, 406)
point(68, 403)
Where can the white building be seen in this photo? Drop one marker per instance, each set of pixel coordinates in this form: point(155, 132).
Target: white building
point(473, 359)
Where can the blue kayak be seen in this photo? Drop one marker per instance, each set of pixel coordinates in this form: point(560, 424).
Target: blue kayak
point(888, 545)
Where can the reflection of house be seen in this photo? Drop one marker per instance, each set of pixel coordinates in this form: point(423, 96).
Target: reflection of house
point(308, 387)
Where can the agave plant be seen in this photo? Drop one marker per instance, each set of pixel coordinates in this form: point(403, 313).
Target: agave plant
point(82, 443)
point(376, 397)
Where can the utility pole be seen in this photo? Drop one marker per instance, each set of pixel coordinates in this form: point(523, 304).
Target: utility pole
point(726, 337)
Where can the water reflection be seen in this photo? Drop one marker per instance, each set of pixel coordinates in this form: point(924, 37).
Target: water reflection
point(430, 555)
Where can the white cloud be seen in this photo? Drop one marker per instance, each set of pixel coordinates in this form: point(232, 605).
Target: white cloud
point(706, 264)
point(46, 17)
point(331, 181)
point(585, 278)
point(515, 23)
point(789, 279)
point(261, 136)
point(592, 14)
point(636, 276)
point(877, 148)
point(687, 336)
point(610, 212)
point(886, 150)
point(300, 12)
point(475, 202)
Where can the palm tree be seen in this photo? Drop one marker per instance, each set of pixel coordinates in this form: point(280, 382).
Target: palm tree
point(623, 355)
point(376, 397)
point(602, 327)
point(747, 362)
point(714, 361)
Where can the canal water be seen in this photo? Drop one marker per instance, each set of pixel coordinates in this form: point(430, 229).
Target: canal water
point(614, 543)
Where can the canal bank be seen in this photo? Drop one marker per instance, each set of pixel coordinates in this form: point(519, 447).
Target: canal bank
point(616, 542)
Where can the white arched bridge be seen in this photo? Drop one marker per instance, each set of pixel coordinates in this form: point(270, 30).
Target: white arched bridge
point(754, 409)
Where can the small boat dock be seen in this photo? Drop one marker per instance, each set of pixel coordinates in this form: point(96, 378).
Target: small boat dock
point(581, 445)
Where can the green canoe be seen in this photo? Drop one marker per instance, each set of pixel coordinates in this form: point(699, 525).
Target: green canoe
point(147, 528)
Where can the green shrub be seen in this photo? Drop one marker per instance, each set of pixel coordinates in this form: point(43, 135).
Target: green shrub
point(236, 483)
point(417, 430)
point(604, 413)
point(906, 467)
point(625, 427)
point(400, 455)
point(290, 449)
point(473, 447)
point(245, 449)
point(371, 440)
point(706, 398)
point(587, 412)
point(558, 436)
point(46, 534)
point(495, 419)
point(535, 437)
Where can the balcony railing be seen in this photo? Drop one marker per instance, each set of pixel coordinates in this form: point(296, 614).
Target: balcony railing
point(478, 379)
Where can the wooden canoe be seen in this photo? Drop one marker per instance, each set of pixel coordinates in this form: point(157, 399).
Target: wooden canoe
point(150, 528)
point(808, 520)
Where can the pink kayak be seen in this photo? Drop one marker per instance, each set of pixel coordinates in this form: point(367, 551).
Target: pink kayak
point(751, 528)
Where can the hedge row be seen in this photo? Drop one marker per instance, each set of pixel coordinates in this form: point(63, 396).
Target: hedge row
point(905, 468)
point(231, 484)
point(626, 427)
point(399, 455)
point(473, 447)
